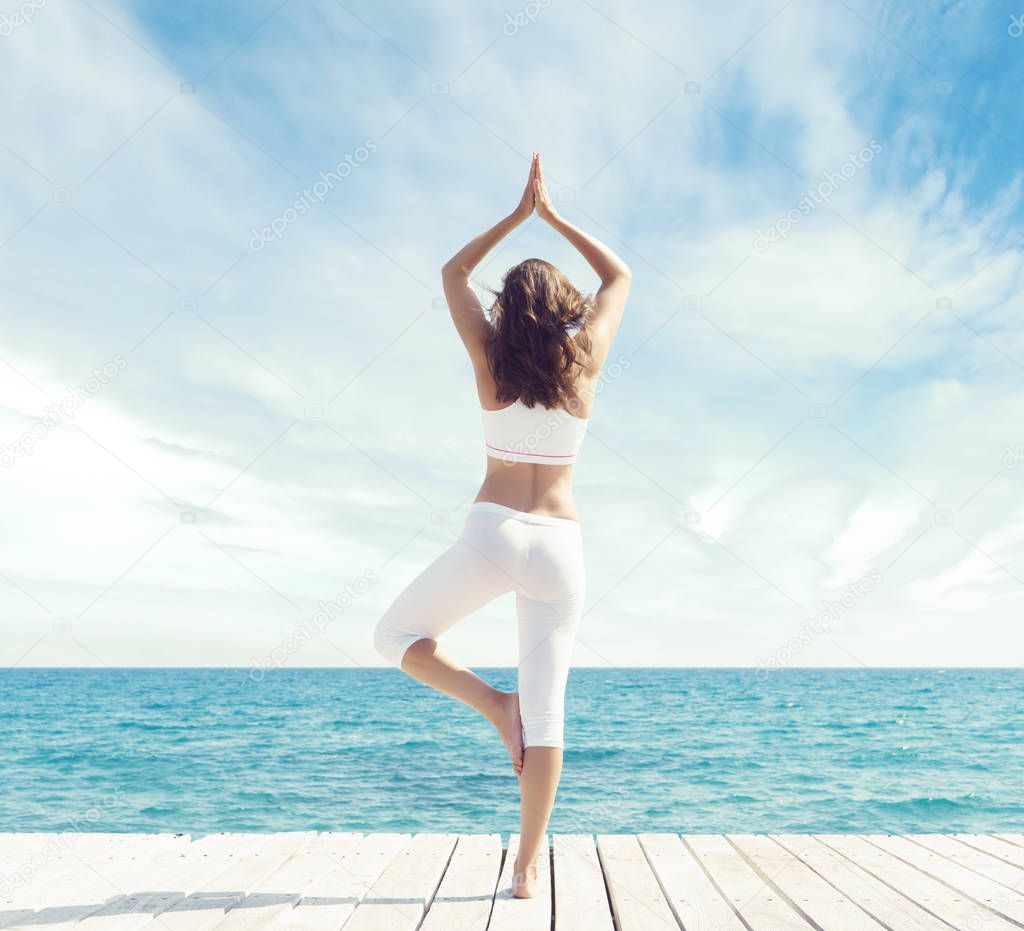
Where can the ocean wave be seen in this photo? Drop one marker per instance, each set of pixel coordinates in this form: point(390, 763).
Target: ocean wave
point(703, 751)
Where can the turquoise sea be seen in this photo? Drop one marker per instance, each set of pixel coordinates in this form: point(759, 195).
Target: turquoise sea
point(686, 750)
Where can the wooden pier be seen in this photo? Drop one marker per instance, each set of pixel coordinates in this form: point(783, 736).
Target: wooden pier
point(450, 882)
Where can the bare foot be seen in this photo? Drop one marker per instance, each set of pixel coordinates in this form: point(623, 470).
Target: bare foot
point(505, 717)
point(524, 882)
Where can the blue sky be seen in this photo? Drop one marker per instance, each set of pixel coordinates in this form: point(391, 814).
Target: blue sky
point(833, 419)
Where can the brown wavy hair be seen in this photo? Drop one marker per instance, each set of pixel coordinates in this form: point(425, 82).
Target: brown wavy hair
point(532, 352)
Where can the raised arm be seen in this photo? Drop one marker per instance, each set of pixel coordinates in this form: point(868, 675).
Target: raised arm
point(463, 303)
point(610, 300)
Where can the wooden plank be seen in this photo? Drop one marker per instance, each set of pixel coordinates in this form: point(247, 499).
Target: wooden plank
point(466, 895)
point(994, 847)
point(581, 899)
point(15, 839)
point(981, 889)
point(91, 854)
point(14, 848)
point(11, 917)
point(994, 868)
point(804, 889)
point(757, 902)
point(46, 865)
point(693, 898)
point(283, 889)
point(331, 898)
point(311, 882)
point(636, 896)
point(46, 868)
point(400, 897)
point(50, 872)
point(96, 878)
point(116, 879)
point(206, 906)
point(943, 902)
point(167, 884)
point(889, 906)
point(512, 914)
point(155, 886)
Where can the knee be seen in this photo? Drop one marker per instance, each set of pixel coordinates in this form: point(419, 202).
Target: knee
point(389, 642)
point(416, 650)
point(399, 646)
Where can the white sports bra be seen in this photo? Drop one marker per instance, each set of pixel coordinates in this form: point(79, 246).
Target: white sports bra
point(517, 433)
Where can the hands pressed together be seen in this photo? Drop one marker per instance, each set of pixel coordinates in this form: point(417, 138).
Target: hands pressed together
point(535, 196)
point(609, 300)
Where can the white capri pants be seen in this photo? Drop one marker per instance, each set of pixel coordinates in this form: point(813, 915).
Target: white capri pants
point(500, 550)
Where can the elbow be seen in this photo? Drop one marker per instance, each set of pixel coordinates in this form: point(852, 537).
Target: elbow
point(452, 271)
point(621, 273)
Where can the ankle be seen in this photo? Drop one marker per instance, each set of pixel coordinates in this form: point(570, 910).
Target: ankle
point(527, 873)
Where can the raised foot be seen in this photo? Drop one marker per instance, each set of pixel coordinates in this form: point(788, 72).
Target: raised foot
point(504, 715)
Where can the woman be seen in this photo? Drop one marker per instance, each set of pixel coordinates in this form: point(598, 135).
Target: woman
point(536, 359)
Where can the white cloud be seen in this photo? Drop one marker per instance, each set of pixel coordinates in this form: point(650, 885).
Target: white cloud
point(212, 404)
